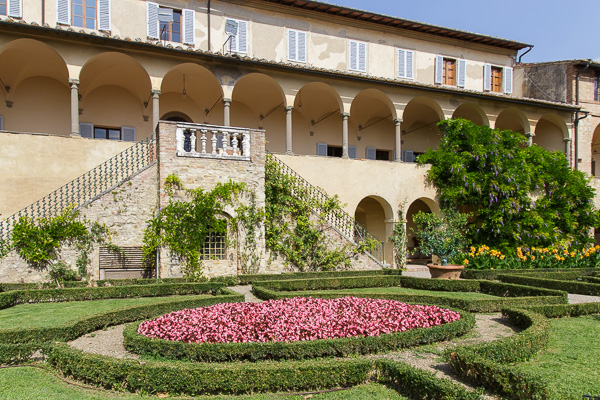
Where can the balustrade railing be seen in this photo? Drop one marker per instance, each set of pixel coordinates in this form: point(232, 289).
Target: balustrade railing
point(88, 186)
point(212, 141)
point(339, 220)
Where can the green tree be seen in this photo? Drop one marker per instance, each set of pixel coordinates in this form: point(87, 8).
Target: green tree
point(519, 195)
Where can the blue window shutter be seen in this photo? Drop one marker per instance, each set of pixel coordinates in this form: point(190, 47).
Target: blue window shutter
point(487, 77)
point(128, 134)
point(508, 80)
point(439, 69)
point(15, 8)
point(409, 156)
point(301, 46)
point(353, 55)
point(189, 30)
point(410, 56)
point(362, 57)
point(322, 149)
point(462, 72)
point(292, 45)
point(86, 130)
point(401, 63)
point(352, 152)
point(152, 9)
point(63, 12)
point(104, 15)
point(370, 153)
point(242, 37)
point(1, 123)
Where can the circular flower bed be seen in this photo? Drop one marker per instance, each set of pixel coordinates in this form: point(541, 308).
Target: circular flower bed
point(295, 319)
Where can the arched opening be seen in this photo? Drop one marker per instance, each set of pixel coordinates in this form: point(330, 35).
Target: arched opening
point(596, 152)
point(317, 122)
point(419, 129)
point(258, 102)
point(372, 213)
point(414, 253)
point(114, 92)
point(550, 133)
point(372, 129)
point(36, 82)
point(472, 112)
point(514, 120)
point(191, 93)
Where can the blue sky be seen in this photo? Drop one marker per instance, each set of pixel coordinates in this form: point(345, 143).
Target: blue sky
point(558, 29)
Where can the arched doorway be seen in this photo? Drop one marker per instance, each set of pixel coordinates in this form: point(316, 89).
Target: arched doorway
point(373, 213)
point(426, 206)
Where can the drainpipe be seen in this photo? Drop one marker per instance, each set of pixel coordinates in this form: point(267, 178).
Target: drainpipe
point(521, 56)
point(208, 23)
point(43, 12)
point(577, 117)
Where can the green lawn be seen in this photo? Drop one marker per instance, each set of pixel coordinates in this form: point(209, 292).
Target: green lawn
point(571, 364)
point(406, 291)
point(37, 384)
point(41, 315)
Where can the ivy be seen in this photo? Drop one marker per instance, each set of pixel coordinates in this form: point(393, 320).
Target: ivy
point(39, 242)
point(296, 225)
point(520, 196)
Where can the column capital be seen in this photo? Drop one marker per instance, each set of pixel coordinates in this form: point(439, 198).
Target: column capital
point(74, 83)
point(155, 93)
point(529, 135)
point(397, 121)
point(288, 108)
point(567, 139)
point(227, 100)
point(345, 115)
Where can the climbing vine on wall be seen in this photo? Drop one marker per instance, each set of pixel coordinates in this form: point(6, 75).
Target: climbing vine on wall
point(399, 239)
point(296, 226)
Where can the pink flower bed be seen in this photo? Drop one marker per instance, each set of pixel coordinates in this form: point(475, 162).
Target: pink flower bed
point(299, 318)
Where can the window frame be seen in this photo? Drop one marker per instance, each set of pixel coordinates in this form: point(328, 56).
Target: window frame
point(84, 11)
point(298, 58)
point(170, 31)
point(358, 44)
point(237, 37)
point(409, 73)
point(14, 9)
point(214, 246)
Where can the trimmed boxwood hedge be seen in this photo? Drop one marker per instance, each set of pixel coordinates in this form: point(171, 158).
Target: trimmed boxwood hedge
point(14, 297)
point(248, 279)
point(95, 322)
point(591, 279)
point(519, 295)
point(297, 350)
point(566, 310)
point(419, 383)
point(485, 364)
point(493, 273)
point(5, 287)
point(590, 289)
point(198, 378)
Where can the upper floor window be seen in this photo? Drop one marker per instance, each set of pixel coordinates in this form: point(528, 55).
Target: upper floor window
point(170, 24)
point(597, 88)
point(497, 79)
point(11, 8)
point(450, 71)
point(405, 64)
point(357, 56)
point(90, 14)
point(92, 131)
point(296, 45)
point(237, 35)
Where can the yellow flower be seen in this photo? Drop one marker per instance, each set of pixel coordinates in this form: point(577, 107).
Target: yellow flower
point(465, 261)
point(502, 257)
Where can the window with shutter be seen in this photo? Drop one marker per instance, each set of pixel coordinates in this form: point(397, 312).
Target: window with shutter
point(508, 80)
point(462, 73)
point(128, 134)
point(169, 24)
point(12, 8)
point(357, 57)
point(237, 31)
point(296, 45)
point(449, 72)
point(352, 152)
point(152, 20)
point(86, 130)
point(439, 69)
point(63, 12)
point(322, 149)
point(188, 26)
point(487, 77)
point(405, 63)
point(370, 153)
point(84, 13)
point(104, 15)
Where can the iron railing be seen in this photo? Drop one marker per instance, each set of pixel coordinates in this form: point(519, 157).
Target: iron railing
point(88, 186)
point(339, 220)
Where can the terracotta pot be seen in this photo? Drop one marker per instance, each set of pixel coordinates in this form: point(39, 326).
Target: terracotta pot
point(450, 271)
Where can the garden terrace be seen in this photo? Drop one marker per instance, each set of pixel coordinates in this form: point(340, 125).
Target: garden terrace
point(445, 293)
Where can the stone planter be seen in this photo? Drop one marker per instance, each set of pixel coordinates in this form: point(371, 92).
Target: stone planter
point(450, 271)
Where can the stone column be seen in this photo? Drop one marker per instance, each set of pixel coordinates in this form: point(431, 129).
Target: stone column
point(568, 149)
point(288, 129)
point(529, 137)
point(397, 123)
point(155, 109)
point(345, 134)
point(74, 107)
point(226, 112)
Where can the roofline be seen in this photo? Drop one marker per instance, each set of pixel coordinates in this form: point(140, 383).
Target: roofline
point(575, 62)
point(401, 23)
point(36, 30)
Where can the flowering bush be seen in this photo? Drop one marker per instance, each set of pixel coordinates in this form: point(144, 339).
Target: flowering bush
point(484, 257)
point(295, 319)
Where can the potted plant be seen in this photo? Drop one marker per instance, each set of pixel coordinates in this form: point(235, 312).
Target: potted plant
point(442, 235)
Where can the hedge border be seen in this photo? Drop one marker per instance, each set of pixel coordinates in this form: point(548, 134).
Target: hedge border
point(75, 329)
point(297, 350)
point(533, 296)
point(248, 279)
point(12, 298)
point(492, 274)
point(585, 288)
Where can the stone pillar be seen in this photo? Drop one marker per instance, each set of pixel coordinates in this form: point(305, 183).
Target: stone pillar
point(74, 107)
point(226, 112)
point(529, 137)
point(288, 129)
point(397, 123)
point(345, 134)
point(155, 109)
point(568, 149)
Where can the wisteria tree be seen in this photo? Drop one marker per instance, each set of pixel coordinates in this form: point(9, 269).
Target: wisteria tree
point(519, 195)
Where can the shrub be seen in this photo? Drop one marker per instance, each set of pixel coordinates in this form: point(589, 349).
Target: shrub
point(590, 289)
